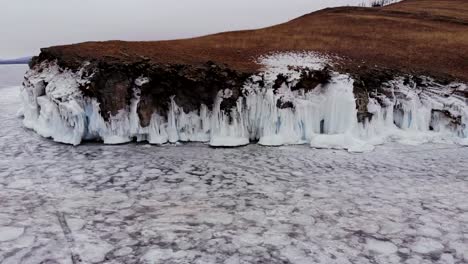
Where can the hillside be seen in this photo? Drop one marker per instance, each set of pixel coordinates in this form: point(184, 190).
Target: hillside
point(421, 36)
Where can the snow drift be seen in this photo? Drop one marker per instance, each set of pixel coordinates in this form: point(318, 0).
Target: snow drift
point(324, 117)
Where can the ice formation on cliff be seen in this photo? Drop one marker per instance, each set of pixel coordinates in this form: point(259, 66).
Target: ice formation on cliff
point(325, 117)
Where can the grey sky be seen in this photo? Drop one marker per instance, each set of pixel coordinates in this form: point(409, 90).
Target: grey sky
point(27, 25)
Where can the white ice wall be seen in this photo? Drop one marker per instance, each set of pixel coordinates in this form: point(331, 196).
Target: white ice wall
point(324, 117)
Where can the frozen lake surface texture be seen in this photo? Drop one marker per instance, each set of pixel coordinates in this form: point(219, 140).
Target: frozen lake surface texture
point(138, 203)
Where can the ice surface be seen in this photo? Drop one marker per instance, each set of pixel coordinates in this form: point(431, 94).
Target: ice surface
point(427, 245)
point(12, 75)
point(340, 141)
point(136, 203)
point(325, 117)
point(381, 247)
point(8, 233)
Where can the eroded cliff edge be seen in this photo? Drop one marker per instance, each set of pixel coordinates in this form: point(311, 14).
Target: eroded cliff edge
point(296, 98)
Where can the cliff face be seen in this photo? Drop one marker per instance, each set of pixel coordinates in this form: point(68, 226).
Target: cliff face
point(213, 89)
point(297, 98)
point(189, 85)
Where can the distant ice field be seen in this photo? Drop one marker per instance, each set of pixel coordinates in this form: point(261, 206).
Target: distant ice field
point(12, 75)
point(137, 203)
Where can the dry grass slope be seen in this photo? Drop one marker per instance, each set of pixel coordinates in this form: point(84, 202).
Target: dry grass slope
point(419, 36)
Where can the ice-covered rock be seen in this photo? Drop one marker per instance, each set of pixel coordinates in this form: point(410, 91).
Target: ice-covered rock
point(296, 99)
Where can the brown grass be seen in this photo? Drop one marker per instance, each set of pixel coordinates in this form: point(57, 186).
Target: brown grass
point(424, 36)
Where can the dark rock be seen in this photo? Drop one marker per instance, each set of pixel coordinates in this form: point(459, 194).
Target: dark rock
point(371, 82)
point(364, 117)
point(145, 110)
point(280, 80)
point(114, 92)
point(284, 104)
point(312, 78)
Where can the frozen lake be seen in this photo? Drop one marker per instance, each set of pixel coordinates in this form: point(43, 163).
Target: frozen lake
point(138, 203)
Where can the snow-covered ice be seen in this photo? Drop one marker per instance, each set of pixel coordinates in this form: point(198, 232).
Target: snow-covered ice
point(137, 203)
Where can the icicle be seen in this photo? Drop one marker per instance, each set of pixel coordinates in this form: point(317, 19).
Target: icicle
point(225, 133)
point(156, 131)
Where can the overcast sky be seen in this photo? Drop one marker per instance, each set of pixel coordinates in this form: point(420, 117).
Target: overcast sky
point(27, 25)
